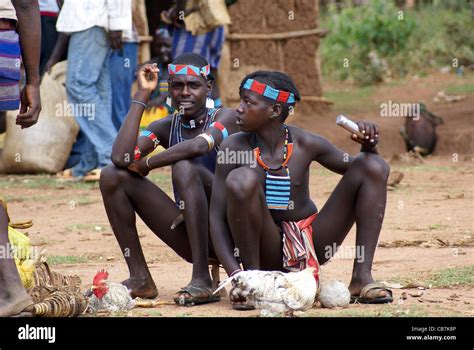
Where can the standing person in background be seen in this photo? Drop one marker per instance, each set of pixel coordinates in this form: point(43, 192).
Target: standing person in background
point(162, 46)
point(49, 10)
point(22, 15)
point(123, 63)
point(208, 45)
point(95, 28)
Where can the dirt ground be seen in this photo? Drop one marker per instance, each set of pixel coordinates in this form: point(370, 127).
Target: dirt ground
point(430, 213)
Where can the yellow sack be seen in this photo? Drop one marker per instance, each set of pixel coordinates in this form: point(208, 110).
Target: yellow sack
point(22, 252)
point(21, 244)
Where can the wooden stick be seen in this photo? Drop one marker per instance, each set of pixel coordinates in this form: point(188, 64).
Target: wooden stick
point(278, 36)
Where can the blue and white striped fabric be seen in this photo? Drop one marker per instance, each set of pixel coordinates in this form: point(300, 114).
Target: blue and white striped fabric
point(208, 45)
point(10, 63)
point(277, 191)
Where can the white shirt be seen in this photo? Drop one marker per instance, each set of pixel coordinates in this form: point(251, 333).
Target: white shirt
point(48, 6)
point(7, 10)
point(79, 15)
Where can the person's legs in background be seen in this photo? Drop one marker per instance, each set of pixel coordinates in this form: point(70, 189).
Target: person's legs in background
point(214, 58)
point(89, 91)
point(208, 45)
point(122, 65)
point(49, 35)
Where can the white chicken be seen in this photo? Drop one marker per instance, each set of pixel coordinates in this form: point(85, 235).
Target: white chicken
point(109, 296)
point(273, 292)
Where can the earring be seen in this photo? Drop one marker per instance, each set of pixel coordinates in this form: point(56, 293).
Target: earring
point(210, 103)
point(169, 102)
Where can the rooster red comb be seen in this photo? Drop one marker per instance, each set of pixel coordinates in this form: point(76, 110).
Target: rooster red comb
point(100, 275)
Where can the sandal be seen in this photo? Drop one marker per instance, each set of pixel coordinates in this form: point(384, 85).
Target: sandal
point(369, 295)
point(93, 175)
point(191, 295)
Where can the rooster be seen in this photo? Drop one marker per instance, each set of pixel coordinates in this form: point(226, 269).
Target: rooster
point(108, 296)
point(274, 292)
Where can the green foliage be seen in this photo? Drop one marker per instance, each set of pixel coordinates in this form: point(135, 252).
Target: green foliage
point(379, 40)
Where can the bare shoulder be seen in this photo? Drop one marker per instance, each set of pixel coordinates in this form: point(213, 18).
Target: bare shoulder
point(227, 116)
point(306, 138)
point(226, 112)
point(237, 141)
point(161, 126)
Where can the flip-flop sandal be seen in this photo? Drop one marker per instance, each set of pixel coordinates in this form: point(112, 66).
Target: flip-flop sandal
point(191, 295)
point(92, 176)
point(369, 295)
point(66, 175)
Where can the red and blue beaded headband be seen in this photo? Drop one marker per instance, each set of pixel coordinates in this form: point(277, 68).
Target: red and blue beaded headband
point(268, 91)
point(184, 69)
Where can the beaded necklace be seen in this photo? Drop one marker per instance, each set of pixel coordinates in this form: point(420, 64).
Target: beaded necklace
point(277, 187)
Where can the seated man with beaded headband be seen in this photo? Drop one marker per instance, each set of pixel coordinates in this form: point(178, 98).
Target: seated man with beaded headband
point(264, 213)
point(191, 137)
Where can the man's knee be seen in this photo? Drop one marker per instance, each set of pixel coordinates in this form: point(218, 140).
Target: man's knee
point(373, 165)
point(185, 172)
point(112, 177)
point(241, 183)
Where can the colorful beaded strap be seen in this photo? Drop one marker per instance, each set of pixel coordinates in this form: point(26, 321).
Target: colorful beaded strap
point(277, 188)
point(184, 69)
point(268, 91)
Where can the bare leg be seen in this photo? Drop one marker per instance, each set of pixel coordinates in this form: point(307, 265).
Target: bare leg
point(360, 196)
point(194, 183)
point(251, 223)
point(13, 296)
point(125, 194)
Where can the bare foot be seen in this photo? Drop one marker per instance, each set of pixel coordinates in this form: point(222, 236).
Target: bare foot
point(141, 288)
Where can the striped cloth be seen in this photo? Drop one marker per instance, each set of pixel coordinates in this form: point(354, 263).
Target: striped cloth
point(298, 247)
point(207, 45)
point(10, 63)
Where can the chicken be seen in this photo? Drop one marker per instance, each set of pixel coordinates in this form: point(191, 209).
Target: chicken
point(274, 292)
point(109, 296)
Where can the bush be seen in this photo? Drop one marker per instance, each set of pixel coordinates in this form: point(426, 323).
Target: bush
point(378, 43)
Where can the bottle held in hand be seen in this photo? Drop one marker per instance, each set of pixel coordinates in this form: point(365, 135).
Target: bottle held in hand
point(349, 125)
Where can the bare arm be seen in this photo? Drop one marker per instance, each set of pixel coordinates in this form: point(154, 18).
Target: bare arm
point(334, 159)
point(124, 145)
point(328, 155)
point(220, 233)
point(29, 30)
point(59, 50)
point(197, 146)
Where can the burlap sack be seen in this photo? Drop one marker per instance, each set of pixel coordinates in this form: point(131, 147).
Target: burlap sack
point(211, 14)
point(44, 147)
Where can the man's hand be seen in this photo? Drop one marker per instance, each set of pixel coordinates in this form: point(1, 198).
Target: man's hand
point(371, 136)
point(147, 77)
point(49, 64)
point(30, 106)
point(140, 167)
point(115, 37)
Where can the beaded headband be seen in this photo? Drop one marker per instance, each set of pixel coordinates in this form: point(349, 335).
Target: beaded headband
point(184, 69)
point(268, 91)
